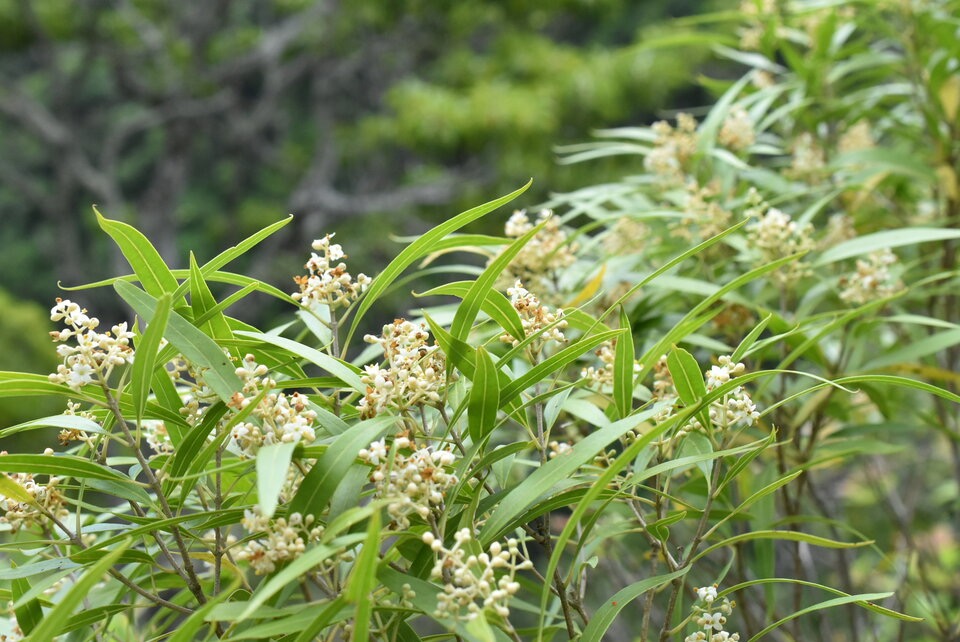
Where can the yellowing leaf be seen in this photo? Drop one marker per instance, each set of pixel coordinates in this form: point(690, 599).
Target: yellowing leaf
point(950, 97)
point(589, 290)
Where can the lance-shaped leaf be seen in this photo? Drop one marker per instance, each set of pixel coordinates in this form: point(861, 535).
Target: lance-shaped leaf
point(205, 307)
point(474, 298)
point(218, 372)
point(273, 461)
point(688, 380)
point(321, 482)
point(422, 246)
point(623, 367)
point(146, 262)
point(597, 627)
point(495, 305)
point(484, 397)
point(145, 360)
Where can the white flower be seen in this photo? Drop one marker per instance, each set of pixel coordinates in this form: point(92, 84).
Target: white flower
point(328, 283)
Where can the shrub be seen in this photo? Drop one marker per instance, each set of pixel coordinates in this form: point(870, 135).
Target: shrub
point(684, 390)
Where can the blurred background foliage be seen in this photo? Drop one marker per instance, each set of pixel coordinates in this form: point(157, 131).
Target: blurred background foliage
point(201, 122)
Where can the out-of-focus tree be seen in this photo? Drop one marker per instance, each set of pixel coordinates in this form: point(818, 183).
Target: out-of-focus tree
point(199, 121)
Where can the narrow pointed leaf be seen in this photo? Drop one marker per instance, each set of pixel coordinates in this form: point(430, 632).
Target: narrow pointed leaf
point(146, 262)
point(472, 301)
point(273, 461)
point(422, 246)
point(218, 372)
point(623, 367)
point(484, 397)
point(145, 361)
point(597, 627)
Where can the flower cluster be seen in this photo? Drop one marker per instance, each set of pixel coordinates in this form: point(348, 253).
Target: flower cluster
point(536, 319)
point(157, 437)
point(872, 279)
point(626, 236)
point(413, 482)
point(11, 631)
point(45, 499)
point(603, 376)
point(737, 132)
point(735, 408)
point(469, 581)
point(282, 417)
point(278, 540)
point(857, 138)
point(809, 159)
point(328, 282)
point(673, 147)
point(96, 353)
point(776, 235)
point(414, 373)
point(703, 216)
point(711, 618)
point(549, 249)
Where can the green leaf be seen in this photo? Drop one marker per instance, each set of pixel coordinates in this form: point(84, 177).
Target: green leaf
point(884, 240)
point(292, 572)
point(495, 305)
point(556, 361)
point(479, 289)
point(218, 373)
point(13, 490)
point(310, 632)
point(59, 617)
point(623, 373)
point(363, 579)
point(750, 339)
point(146, 262)
point(205, 307)
point(145, 359)
point(321, 482)
point(791, 536)
point(88, 617)
point(29, 614)
point(826, 604)
point(525, 494)
point(242, 247)
point(913, 351)
point(694, 444)
point(273, 462)
point(347, 373)
point(67, 422)
point(688, 380)
point(61, 466)
point(424, 245)
point(484, 397)
point(607, 613)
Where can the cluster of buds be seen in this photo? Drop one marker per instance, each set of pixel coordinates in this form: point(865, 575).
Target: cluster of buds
point(470, 584)
point(69, 435)
point(548, 251)
point(626, 236)
point(737, 132)
point(603, 375)
point(45, 500)
point(328, 282)
point(776, 235)
point(872, 279)
point(413, 482)
point(735, 408)
point(157, 436)
point(756, 13)
point(703, 215)
point(809, 160)
point(857, 138)
point(711, 617)
point(96, 353)
point(414, 373)
point(673, 148)
point(537, 319)
point(282, 418)
point(10, 630)
point(277, 540)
